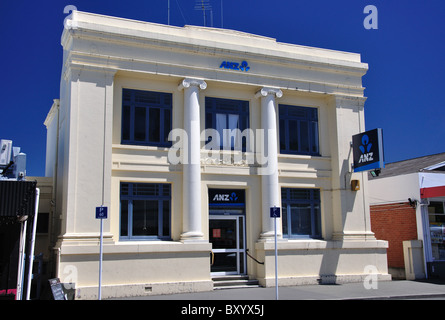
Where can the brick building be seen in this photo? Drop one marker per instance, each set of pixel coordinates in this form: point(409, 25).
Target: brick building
point(395, 223)
point(407, 210)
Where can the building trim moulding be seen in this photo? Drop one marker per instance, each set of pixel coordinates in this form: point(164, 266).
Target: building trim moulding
point(101, 63)
point(129, 247)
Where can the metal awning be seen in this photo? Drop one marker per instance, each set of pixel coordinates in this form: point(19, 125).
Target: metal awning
point(17, 198)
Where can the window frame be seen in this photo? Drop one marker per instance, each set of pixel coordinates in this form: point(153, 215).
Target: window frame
point(288, 113)
point(214, 106)
point(315, 218)
point(163, 194)
point(131, 98)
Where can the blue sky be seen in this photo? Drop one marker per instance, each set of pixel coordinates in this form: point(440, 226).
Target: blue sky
point(404, 84)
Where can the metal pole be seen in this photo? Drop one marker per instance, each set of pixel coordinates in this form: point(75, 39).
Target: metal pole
point(276, 260)
point(21, 268)
point(100, 259)
point(33, 241)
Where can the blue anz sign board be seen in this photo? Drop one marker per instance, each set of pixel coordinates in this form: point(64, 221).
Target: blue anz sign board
point(368, 150)
point(227, 197)
point(243, 66)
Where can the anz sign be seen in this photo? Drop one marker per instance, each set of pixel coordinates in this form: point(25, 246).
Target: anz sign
point(368, 150)
point(243, 66)
point(226, 197)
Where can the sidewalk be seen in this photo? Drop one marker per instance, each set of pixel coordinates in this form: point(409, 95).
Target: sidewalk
point(396, 289)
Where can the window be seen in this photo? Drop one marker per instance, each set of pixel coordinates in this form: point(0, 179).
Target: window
point(146, 118)
point(437, 226)
point(145, 211)
point(301, 213)
point(42, 222)
point(223, 114)
point(298, 130)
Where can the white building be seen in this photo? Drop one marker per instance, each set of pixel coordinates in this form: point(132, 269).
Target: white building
point(178, 216)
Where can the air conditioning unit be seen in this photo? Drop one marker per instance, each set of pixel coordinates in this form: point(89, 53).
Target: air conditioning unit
point(5, 152)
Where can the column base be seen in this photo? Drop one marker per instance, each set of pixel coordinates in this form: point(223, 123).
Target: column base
point(269, 236)
point(192, 236)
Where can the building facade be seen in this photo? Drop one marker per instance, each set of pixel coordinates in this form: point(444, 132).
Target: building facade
point(407, 209)
point(189, 136)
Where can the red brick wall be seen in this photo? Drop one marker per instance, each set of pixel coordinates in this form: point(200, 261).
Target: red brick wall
point(394, 223)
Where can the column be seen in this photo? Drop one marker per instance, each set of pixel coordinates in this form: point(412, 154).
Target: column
point(191, 195)
point(350, 209)
point(269, 169)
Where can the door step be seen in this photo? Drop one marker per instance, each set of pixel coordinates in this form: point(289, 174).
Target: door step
point(234, 282)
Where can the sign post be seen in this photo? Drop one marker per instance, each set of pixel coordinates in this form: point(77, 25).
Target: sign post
point(275, 213)
point(101, 214)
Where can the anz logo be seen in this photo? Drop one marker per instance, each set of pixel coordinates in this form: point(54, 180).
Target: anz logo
point(243, 66)
point(225, 197)
point(365, 149)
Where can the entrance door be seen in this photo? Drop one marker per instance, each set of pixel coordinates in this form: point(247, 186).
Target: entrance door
point(227, 236)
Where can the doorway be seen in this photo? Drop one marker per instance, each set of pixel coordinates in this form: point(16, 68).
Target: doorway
point(227, 235)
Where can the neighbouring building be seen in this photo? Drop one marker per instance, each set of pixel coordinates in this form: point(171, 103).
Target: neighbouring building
point(189, 135)
point(407, 209)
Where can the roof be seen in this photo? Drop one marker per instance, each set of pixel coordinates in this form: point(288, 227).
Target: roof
point(433, 163)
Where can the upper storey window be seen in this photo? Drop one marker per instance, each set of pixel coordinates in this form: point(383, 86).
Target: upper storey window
point(146, 118)
point(298, 130)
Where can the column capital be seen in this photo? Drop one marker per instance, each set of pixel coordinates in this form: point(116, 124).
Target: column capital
point(269, 91)
point(187, 82)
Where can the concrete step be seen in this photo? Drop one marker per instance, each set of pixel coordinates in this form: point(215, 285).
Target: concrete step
point(234, 282)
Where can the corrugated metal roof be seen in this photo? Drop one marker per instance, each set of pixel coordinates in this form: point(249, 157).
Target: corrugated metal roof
point(421, 164)
point(17, 198)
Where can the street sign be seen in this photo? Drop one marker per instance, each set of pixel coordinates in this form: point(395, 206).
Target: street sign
point(101, 212)
point(275, 212)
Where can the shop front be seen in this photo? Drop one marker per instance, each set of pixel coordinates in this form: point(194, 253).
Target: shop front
point(434, 223)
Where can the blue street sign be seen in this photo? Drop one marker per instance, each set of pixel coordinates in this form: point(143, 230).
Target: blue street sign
point(101, 212)
point(275, 212)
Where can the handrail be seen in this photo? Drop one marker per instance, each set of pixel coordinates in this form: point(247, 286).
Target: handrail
point(248, 254)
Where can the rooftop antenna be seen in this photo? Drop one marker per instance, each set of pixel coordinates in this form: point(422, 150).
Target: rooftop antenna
point(204, 5)
point(222, 16)
point(168, 12)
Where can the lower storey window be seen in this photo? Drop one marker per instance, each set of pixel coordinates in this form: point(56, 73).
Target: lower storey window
point(145, 211)
point(301, 213)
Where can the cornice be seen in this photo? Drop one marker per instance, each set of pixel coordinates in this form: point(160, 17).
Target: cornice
point(223, 49)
